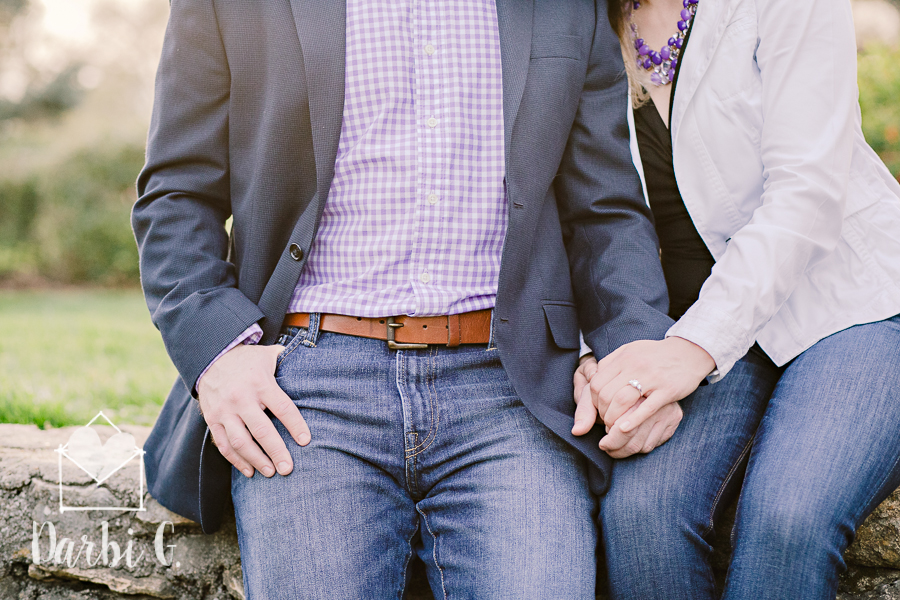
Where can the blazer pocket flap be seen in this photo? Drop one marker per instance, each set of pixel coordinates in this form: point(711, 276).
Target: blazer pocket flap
point(563, 322)
point(556, 46)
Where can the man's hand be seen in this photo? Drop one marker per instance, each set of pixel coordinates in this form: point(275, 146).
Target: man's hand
point(651, 434)
point(233, 394)
point(585, 409)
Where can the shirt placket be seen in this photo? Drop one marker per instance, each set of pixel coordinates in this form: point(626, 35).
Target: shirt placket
point(431, 140)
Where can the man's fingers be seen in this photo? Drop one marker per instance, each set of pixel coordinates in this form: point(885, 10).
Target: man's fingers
point(220, 439)
point(671, 423)
point(585, 413)
point(666, 423)
point(655, 438)
point(263, 431)
point(284, 409)
point(619, 444)
point(589, 367)
point(287, 412)
point(667, 434)
point(276, 350)
point(615, 438)
point(652, 403)
point(581, 382)
point(242, 442)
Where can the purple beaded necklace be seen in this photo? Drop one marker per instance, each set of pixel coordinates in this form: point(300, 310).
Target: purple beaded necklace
point(662, 64)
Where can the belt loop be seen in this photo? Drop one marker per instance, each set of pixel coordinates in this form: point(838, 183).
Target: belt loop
point(453, 332)
point(312, 335)
point(491, 345)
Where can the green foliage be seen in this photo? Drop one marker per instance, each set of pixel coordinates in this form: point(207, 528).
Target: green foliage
point(18, 210)
point(72, 225)
point(48, 100)
point(68, 354)
point(10, 8)
point(879, 98)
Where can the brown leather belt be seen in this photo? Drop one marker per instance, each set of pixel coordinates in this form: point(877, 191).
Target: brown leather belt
point(402, 333)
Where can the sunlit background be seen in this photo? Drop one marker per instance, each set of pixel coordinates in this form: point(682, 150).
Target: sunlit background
point(76, 85)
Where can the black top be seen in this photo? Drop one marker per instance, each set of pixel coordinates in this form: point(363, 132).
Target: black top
point(686, 260)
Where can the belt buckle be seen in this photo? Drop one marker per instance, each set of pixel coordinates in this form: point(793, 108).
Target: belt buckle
point(392, 326)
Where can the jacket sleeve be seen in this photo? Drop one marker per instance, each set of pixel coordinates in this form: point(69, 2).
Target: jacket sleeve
point(184, 197)
point(807, 62)
point(610, 239)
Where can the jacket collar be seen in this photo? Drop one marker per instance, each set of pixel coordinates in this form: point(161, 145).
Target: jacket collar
point(321, 27)
point(515, 18)
point(709, 26)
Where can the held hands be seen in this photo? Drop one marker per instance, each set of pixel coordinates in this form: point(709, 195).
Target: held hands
point(636, 421)
point(654, 432)
point(233, 394)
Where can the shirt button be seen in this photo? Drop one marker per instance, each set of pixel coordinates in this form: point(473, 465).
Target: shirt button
point(429, 49)
point(296, 252)
point(432, 122)
point(432, 199)
point(425, 277)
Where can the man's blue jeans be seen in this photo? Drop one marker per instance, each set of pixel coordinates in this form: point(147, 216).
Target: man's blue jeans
point(823, 439)
point(419, 451)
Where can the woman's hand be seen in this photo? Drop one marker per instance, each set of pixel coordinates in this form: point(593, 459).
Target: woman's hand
point(666, 370)
point(654, 432)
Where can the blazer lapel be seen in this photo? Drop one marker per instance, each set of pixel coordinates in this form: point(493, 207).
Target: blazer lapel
point(514, 18)
point(709, 27)
point(321, 26)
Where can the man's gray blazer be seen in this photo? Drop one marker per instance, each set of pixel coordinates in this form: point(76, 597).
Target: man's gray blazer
point(246, 122)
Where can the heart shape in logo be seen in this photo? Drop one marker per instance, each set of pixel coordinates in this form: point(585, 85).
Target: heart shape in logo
point(99, 460)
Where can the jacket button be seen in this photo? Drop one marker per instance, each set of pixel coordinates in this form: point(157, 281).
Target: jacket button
point(296, 252)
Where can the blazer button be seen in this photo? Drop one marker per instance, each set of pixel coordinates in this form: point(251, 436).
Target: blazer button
point(296, 252)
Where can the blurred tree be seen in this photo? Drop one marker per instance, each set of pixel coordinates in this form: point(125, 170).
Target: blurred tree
point(42, 97)
point(9, 8)
point(47, 100)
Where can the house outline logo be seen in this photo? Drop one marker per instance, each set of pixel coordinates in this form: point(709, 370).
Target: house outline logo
point(101, 461)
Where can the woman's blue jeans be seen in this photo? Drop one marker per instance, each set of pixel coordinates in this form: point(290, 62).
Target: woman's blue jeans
point(414, 451)
point(821, 442)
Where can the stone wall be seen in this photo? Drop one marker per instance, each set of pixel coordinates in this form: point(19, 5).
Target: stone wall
point(202, 567)
point(194, 566)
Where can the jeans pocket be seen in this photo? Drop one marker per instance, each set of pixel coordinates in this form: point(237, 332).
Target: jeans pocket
point(290, 338)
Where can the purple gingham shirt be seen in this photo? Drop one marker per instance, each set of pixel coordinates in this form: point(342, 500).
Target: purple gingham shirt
point(416, 215)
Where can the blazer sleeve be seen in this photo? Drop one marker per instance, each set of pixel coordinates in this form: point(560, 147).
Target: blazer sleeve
point(807, 62)
point(184, 197)
point(610, 239)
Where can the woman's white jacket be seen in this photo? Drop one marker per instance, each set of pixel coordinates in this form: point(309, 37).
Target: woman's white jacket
point(800, 214)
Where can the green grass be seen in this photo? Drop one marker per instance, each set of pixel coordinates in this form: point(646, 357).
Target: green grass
point(64, 355)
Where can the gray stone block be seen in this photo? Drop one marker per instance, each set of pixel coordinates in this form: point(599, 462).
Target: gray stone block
point(207, 567)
